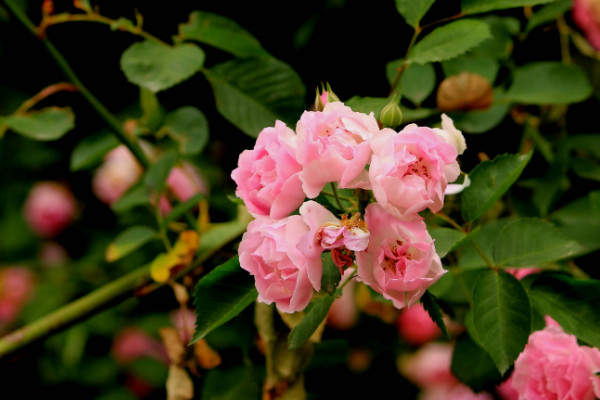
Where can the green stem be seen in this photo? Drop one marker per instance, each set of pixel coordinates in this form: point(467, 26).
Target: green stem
point(135, 149)
point(136, 282)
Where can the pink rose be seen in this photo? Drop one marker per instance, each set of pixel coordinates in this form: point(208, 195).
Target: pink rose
point(333, 146)
point(410, 170)
point(521, 273)
point(16, 289)
point(132, 343)
point(185, 182)
point(284, 258)
point(456, 392)
point(400, 262)
point(343, 313)
point(267, 176)
point(586, 14)
point(553, 366)
point(119, 171)
point(416, 326)
point(49, 208)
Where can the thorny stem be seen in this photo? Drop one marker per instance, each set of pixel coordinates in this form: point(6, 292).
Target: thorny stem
point(335, 194)
point(110, 119)
point(136, 283)
point(50, 20)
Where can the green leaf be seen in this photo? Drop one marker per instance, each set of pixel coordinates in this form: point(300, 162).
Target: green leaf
point(479, 64)
point(580, 220)
point(222, 33)
point(413, 10)
point(549, 82)
point(430, 305)
point(502, 316)
point(480, 121)
point(445, 239)
point(187, 126)
point(449, 41)
point(478, 6)
point(473, 366)
point(158, 67)
point(573, 303)
point(156, 177)
point(232, 383)
point(417, 82)
point(89, 151)
point(548, 13)
point(254, 93)
point(49, 123)
point(128, 241)
point(138, 195)
point(528, 241)
point(182, 208)
point(489, 181)
point(500, 44)
point(311, 321)
point(331, 274)
point(221, 295)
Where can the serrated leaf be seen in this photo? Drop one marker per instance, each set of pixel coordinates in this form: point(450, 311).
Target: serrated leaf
point(480, 121)
point(413, 10)
point(473, 366)
point(548, 13)
point(500, 44)
point(417, 82)
point(254, 93)
point(128, 241)
point(331, 274)
point(136, 196)
point(220, 32)
point(478, 6)
point(158, 67)
point(580, 220)
point(189, 127)
point(449, 41)
point(445, 239)
point(89, 151)
point(433, 309)
point(480, 64)
point(549, 82)
point(502, 316)
point(49, 123)
point(311, 321)
point(529, 242)
point(489, 181)
point(573, 303)
point(156, 176)
point(221, 295)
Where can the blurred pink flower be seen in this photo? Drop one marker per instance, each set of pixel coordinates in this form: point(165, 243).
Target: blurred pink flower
point(554, 366)
point(416, 326)
point(132, 343)
point(521, 273)
point(185, 323)
point(586, 14)
point(267, 176)
point(119, 171)
point(185, 181)
point(16, 289)
point(400, 262)
point(410, 170)
point(49, 208)
point(343, 313)
point(333, 146)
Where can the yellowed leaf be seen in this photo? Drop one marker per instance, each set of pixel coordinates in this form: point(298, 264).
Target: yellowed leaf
point(207, 357)
point(179, 384)
point(463, 92)
point(172, 342)
point(181, 255)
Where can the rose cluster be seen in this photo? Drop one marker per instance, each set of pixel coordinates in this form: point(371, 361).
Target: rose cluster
point(396, 174)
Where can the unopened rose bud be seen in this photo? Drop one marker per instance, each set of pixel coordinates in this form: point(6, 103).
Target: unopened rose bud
point(391, 114)
point(49, 209)
point(324, 95)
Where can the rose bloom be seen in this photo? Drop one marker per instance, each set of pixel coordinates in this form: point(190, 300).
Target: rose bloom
point(416, 326)
point(119, 171)
point(554, 366)
point(16, 288)
point(49, 208)
point(586, 14)
point(400, 262)
point(185, 181)
point(410, 170)
point(284, 258)
point(333, 146)
point(267, 176)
